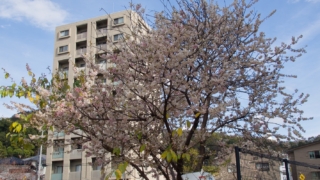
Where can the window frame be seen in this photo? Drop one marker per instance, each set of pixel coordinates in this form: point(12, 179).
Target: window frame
point(56, 169)
point(118, 38)
point(116, 20)
point(315, 154)
point(315, 175)
point(78, 168)
point(262, 166)
point(64, 36)
point(62, 52)
point(95, 166)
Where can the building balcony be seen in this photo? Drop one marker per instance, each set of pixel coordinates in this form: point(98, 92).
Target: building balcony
point(80, 52)
point(80, 70)
point(103, 66)
point(63, 74)
point(101, 47)
point(96, 174)
point(75, 175)
point(56, 176)
point(76, 154)
point(58, 134)
point(58, 155)
point(102, 32)
point(82, 36)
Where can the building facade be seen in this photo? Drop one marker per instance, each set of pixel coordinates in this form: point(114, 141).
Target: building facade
point(308, 154)
point(73, 41)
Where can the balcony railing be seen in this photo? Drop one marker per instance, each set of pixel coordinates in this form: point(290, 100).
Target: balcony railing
point(102, 31)
point(58, 134)
point(75, 175)
point(57, 176)
point(80, 70)
point(82, 35)
point(96, 174)
point(103, 66)
point(76, 154)
point(57, 155)
point(101, 47)
point(63, 74)
point(81, 51)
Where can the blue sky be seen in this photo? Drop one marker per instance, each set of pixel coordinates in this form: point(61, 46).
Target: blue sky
point(27, 34)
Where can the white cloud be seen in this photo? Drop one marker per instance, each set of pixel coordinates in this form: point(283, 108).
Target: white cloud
point(41, 13)
point(5, 26)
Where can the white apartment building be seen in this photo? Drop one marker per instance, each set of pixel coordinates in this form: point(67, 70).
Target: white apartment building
point(92, 36)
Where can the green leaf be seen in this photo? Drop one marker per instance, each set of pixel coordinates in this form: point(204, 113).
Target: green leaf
point(179, 156)
point(15, 127)
point(174, 156)
point(116, 151)
point(7, 134)
point(29, 116)
point(179, 131)
point(164, 154)
point(187, 156)
point(118, 174)
point(20, 93)
point(197, 115)
point(167, 116)
point(10, 93)
point(142, 147)
point(188, 124)
point(6, 75)
point(139, 135)
point(20, 139)
point(122, 167)
point(27, 146)
point(169, 156)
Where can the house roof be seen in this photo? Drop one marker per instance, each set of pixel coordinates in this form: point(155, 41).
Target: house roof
point(302, 146)
point(12, 161)
point(36, 158)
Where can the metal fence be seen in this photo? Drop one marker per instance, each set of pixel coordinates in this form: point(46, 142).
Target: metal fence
point(251, 165)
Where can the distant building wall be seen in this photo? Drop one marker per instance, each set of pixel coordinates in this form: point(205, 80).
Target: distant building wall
point(309, 154)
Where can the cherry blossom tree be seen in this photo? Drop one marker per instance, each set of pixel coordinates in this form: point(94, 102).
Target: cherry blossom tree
point(201, 69)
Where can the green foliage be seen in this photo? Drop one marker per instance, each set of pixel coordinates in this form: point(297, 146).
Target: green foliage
point(3, 151)
point(12, 138)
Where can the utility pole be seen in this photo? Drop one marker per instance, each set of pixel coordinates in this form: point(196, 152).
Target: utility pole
point(40, 158)
point(237, 150)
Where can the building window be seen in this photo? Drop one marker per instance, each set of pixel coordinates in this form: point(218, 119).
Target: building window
point(117, 37)
point(76, 143)
point(95, 165)
point(102, 61)
point(118, 21)
point(262, 166)
point(64, 33)
point(63, 49)
point(78, 168)
point(58, 169)
point(315, 175)
point(314, 154)
point(101, 79)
